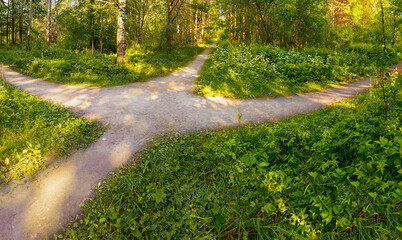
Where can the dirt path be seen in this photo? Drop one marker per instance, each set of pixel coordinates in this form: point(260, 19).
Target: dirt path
point(135, 113)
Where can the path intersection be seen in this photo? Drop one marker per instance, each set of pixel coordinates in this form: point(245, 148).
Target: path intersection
point(134, 113)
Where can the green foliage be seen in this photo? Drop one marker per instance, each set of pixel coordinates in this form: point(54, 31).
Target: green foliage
point(284, 22)
point(32, 129)
point(80, 68)
point(240, 71)
point(87, 23)
point(304, 23)
point(332, 174)
point(150, 63)
point(299, 23)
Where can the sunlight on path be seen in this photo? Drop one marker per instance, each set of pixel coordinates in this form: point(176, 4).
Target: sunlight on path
point(135, 113)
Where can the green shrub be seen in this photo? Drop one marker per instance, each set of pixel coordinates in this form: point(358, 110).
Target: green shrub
point(332, 174)
point(241, 71)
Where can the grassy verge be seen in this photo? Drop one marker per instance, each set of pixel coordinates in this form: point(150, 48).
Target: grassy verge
point(31, 129)
point(239, 71)
point(332, 174)
point(75, 68)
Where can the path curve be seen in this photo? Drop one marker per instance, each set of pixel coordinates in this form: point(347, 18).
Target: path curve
point(135, 113)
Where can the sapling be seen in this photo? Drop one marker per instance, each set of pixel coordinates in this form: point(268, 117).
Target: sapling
point(382, 76)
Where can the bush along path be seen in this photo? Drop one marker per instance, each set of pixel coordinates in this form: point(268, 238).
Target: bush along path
point(253, 71)
point(334, 173)
point(134, 113)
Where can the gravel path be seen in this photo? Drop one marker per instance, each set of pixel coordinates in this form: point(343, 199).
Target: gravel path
point(135, 113)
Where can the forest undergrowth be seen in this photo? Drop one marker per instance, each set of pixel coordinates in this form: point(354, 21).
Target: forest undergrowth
point(32, 129)
point(334, 173)
point(83, 68)
point(252, 71)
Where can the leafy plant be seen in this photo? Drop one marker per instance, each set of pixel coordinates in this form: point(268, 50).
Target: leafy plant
point(80, 68)
point(240, 71)
point(385, 76)
point(333, 174)
point(32, 129)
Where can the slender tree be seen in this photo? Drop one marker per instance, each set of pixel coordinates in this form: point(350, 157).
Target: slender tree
point(91, 13)
point(13, 22)
point(20, 16)
point(101, 28)
point(121, 29)
point(29, 24)
point(383, 23)
point(143, 11)
point(173, 8)
point(7, 22)
point(49, 8)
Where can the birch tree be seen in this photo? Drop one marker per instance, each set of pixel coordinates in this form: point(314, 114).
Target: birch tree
point(29, 23)
point(121, 29)
point(48, 24)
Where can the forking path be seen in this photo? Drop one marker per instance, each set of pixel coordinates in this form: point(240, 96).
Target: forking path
point(134, 113)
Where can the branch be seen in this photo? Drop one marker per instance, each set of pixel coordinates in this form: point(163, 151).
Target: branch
point(173, 6)
point(178, 10)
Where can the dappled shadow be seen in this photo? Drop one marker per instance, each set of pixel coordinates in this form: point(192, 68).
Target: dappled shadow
point(135, 112)
point(49, 200)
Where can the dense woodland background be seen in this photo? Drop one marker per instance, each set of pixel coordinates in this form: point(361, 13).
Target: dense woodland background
point(163, 24)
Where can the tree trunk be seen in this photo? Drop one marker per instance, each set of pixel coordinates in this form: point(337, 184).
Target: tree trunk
point(29, 24)
point(263, 27)
point(178, 34)
point(91, 25)
point(189, 35)
point(196, 27)
point(101, 29)
point(231, 24)
point(48, 24)
point(364, 17)
point(142, 21)
point(169, 26)
point(20, 19)
point(7, 23)
point(188, 31)
point(244, 25)
point(13, 23)
point(383, 23)
point(202, 37)
point(121, 29)
point(171, 6)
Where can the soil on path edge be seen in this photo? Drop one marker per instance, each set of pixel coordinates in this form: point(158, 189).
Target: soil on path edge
point(135, 113)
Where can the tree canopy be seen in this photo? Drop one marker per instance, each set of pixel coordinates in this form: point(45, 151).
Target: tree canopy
point(166, 24)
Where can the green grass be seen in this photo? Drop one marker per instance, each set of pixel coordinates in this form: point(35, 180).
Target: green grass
point(80, 68)
point(31, 129)
point(332, 174)
point(239, 71)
